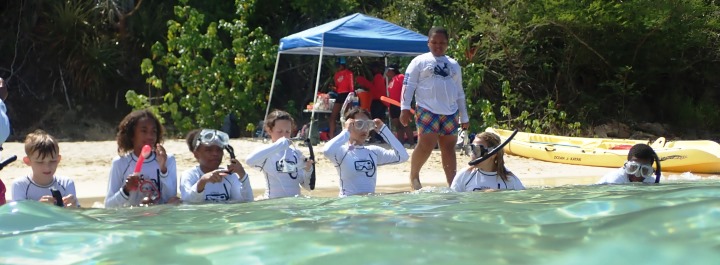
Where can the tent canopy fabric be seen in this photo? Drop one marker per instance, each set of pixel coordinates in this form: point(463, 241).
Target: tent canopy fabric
point(353, 35)
point(356, 35)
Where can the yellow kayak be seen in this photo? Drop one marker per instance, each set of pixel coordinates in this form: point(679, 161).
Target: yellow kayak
point(699, 156)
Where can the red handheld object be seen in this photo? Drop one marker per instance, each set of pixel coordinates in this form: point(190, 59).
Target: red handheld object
point(393, 102)
point(145, 152)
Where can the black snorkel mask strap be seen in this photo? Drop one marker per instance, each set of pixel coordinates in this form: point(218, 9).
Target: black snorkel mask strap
point(485, 155)
point(658, 172)
point(230, 150)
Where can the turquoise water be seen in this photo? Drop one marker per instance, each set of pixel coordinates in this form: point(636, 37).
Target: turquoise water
point(672, 223)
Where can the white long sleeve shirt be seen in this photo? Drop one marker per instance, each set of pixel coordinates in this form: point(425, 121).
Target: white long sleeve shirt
point(436, 83)
point(231, 189)
point(4, 123)
point(26, 189)
point(474, 179)
point(123, 166)
point(272, 161)
point(620, 177)
point(357, 164)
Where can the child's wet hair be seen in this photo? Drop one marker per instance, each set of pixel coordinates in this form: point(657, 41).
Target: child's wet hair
point(191, 139)
point(354, 111)
point(41, 142)
point(277, 115)
point(438, 30)
point(126, 129)
point(642, 151)
point(493, 140)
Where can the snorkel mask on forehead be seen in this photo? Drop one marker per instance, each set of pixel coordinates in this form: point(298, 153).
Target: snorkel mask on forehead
point(212, 137)
point(217, 138)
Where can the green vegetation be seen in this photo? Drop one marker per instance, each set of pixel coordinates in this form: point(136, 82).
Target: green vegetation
point(551, 66)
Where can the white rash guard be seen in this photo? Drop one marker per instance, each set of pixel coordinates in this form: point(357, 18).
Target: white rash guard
point(26, 189)
point(231, 189)
point(474, 179)
point(619, 177)
point(436, 83)
point(357, 164)
point(281, 183)
point(123, 166)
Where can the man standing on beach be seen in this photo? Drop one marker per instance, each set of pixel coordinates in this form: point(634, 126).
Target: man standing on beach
point(435, 80)
point(4, 130)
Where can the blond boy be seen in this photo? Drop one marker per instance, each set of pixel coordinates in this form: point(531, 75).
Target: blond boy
point(43, 157)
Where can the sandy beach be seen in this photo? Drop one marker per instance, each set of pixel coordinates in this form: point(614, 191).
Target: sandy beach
point(88, 164)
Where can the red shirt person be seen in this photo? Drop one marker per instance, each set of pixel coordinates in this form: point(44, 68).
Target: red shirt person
point(344, 84)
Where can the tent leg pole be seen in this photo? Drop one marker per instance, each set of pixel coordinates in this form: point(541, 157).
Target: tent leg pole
point(272, 86)
point(317, 85)
point(387, 94)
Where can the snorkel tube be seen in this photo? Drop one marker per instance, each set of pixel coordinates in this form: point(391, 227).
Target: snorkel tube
point(7, 161)
point(312, 157)
point(490, 153)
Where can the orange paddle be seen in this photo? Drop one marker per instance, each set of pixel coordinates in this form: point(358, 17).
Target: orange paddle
point(393, 102)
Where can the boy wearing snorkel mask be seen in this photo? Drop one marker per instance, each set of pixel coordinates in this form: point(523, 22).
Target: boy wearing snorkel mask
point(356, 162)
point(638, 168)
point(208, 182)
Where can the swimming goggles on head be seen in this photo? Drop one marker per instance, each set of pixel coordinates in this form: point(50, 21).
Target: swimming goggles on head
point(364, 125)
point(212, 137)
point(637, 169)
point(476, 150)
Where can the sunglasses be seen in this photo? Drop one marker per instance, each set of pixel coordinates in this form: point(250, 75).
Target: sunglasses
point(212, 137)
point(364, 125)
point(637, 169)
point(476, 150)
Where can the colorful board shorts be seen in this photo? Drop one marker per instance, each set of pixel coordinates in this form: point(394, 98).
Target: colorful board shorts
point(428, 122)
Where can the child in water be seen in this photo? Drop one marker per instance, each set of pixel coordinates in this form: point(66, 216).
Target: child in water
point(208, 182)
point(156, 183)
point(490, 174)
point(43, 157)
point(356, 162)
point(284, 166)
point(638, 168)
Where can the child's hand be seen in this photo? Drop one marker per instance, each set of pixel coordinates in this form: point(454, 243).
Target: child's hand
point(236, 167)
point(132, 183)
point(378, 124)
point(174, 200)
point(69, 200)
point(214, 176)
point(47, 199)
point(308, 164)
point(348, 123)
point(161, 157)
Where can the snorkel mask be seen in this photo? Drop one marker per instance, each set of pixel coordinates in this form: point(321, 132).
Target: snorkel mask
point(476, 150)
point(639, 170)
point(364, 125)
point(212, 137)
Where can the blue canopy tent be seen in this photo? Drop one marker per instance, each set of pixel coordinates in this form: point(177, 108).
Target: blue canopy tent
point(353, 35)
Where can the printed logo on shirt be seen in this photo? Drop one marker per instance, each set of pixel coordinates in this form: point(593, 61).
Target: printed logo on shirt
point(366, 166)
point(217, 197)
point(443, 71)
point(481, 188)
point(150, 189)
point(286, 166)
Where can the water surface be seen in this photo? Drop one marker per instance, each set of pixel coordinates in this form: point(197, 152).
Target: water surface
point(672, 223)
